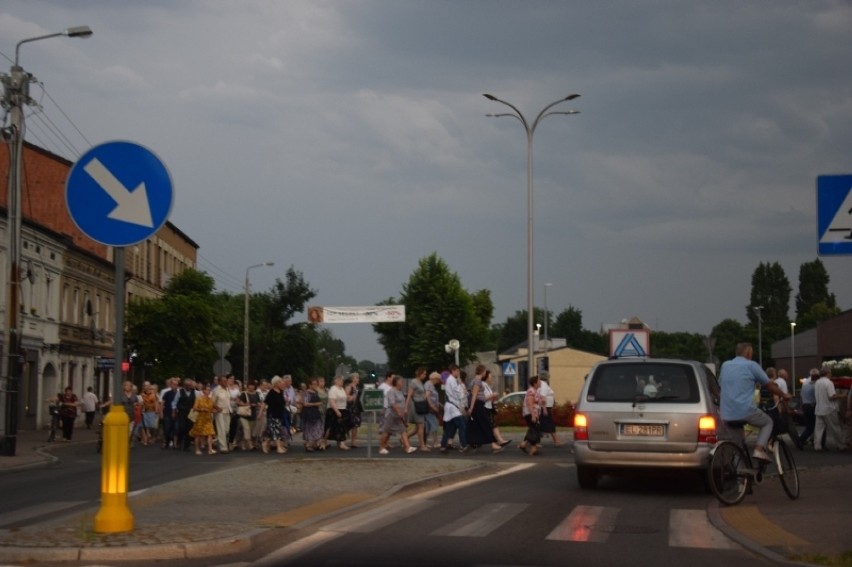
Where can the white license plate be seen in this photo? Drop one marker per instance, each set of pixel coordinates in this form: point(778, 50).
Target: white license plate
point(636, 430)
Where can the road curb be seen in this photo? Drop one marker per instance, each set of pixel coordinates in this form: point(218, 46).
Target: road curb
point(715, 516)
point(220, 546)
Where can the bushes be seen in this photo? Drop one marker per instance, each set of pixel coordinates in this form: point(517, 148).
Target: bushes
point(509, 415)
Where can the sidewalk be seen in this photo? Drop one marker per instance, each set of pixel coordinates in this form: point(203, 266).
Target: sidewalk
point(766, 522)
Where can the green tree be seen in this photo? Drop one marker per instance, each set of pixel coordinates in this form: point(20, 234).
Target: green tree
point(814, 303)
point(279, 346)
point(437, 309)
point(688, 346)
point(176, 332)
point(569, 325)
point(770, 289)
point(513, 331)
point(726, 335)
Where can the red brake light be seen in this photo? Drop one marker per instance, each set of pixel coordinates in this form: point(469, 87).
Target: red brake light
point(707, 429)
point(581, 427)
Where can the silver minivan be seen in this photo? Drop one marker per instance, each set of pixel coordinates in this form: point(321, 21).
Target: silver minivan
point(645, 413)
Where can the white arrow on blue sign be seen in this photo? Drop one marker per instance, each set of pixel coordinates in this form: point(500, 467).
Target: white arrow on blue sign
point(119, 193)
point(834, 215)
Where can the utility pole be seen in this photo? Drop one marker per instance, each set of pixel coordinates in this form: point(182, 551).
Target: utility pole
point(16, 93)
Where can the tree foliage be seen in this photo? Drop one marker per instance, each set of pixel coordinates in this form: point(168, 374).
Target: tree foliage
point(687, 346)
point(726, 335)
point(814, 303)
point(175, 333)
point(569, 325)
point(770, 289)
point(513, 331)
point(437, 309)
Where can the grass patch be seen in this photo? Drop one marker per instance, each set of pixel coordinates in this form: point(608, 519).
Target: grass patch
point(842, 560)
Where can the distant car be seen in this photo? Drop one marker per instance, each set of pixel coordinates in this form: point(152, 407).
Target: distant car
point(644, 413)
point(515, 399)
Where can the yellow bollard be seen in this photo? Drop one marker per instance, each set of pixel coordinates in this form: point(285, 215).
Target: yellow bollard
point(114, 516)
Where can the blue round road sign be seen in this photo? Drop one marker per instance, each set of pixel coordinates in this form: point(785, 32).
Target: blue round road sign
point(119, 193)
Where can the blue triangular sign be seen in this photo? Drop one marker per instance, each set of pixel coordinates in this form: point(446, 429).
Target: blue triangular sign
point(629, 346)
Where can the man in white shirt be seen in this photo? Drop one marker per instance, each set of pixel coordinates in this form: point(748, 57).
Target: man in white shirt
point(90, 406)
point(454, 410)
point(385, 387)
point(826, 413)
point(222, 404)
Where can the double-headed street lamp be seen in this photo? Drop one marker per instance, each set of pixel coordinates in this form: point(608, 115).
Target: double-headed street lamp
point(530, 130)
point(546, 317)
point(759, 308)
point(16, 93)
point(246, 321)
point(793, 354)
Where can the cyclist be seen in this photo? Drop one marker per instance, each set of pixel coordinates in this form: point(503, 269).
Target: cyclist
point(738, 379)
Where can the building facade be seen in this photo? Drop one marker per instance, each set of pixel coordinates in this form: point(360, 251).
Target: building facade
point(67, 292)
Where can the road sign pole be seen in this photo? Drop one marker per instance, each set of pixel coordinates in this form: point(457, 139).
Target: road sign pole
point(114, 516)
point(118, 344)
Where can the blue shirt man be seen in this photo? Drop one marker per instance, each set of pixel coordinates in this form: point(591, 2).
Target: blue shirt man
point(738, 379)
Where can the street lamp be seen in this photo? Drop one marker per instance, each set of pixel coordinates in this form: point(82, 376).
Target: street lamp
point(759, 308)
point(16, 93)
point(530, 131)
point(246, 320)
point(546, 317)
point(793, 354)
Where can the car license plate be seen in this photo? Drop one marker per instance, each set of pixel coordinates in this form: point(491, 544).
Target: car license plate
point(636, 430)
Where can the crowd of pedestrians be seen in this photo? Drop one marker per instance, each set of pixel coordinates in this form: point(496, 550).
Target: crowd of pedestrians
point(275, 415)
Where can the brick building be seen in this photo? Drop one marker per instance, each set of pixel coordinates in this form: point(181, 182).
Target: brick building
point(67, 296)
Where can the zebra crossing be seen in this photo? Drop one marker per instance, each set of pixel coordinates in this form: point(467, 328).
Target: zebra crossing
point(687, 528)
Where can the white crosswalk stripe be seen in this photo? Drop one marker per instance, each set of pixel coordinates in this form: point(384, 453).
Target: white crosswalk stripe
point(375, 519)
point(691, 528)
point(481, 522)
point(583, 524)
point(586, 523)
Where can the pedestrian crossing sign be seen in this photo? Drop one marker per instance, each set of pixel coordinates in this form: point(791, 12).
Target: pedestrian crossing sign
point(629, 342)
point(834, 215)
point(510, 369)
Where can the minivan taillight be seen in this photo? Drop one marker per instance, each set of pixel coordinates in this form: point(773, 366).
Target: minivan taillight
point(707, 429)
point(581, 427)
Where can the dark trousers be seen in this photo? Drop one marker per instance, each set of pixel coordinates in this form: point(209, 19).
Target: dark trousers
point(168, 428)
point(90, 419)
point(450, 428)
point(233, 427)
point(67, 427)
point(810, 422)
point(182, 427)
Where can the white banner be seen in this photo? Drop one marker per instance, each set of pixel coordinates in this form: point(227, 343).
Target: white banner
point(371, 314)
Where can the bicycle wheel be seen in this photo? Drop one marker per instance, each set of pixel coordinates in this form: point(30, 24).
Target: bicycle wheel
point(788, 472)
point(727, 474)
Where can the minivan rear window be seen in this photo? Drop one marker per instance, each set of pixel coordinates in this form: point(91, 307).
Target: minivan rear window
point(654, 382)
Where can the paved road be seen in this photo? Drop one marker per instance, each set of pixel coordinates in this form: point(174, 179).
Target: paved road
point(533, 516)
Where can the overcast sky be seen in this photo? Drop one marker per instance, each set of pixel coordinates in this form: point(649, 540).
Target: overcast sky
point(349, 140)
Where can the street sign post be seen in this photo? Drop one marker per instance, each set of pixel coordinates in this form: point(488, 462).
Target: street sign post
point(373, 401)
point(118, 194)
point(834, 215)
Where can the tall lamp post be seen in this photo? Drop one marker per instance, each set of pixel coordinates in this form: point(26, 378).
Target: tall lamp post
point(530, 131)
point(759, 308)
point(546, 317)
point(793, 354)
point(16, 93)
point(246, 320)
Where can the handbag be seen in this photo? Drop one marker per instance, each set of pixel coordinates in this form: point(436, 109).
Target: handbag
point(421, 407)
point(533, 434)
point(244, 411)
point(193, 414)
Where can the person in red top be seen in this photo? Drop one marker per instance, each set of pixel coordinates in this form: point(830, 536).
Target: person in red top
point(68, 413)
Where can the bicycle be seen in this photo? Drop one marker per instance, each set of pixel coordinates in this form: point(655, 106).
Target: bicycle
point(732, 474)
point(53, 410)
